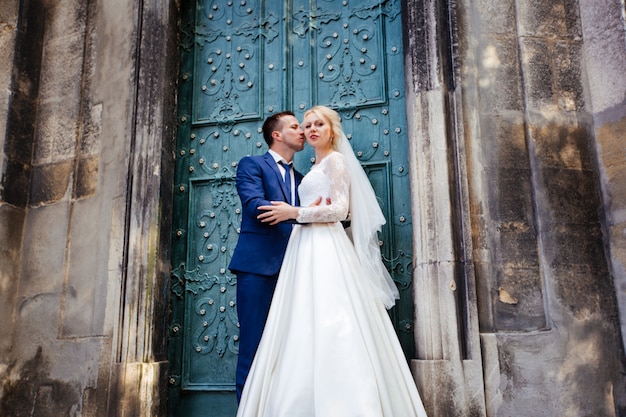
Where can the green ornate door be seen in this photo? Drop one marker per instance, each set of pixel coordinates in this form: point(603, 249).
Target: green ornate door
point(242, 60)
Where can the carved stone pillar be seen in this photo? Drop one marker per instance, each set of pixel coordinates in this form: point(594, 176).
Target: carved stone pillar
point(449, 365)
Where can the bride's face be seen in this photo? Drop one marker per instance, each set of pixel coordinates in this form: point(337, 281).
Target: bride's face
point(317, 131)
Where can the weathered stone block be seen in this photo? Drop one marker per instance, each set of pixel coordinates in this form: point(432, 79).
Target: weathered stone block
point(491, 368)
point(450, 390)
point(604, 53)
point(481, 233)
point(511, 195)
point(8, 25)
point(568, 76)
point(61, 75)
point(56, 132)
point(36, 394)
point(538, 74)
point(436, 334)
point(11, 229)
point(85, 288)
point(44, 252)
point(618, 253)
point(66, 18)
point(59, 98)
point(549, 19)
point(504, 140)
point(520, 304)
point(562, 144)
point(50, 182)
point(586, 291)
point(545, 373)
point(499, 79)
point(20, 129)
point(574, 244)
point(16, 183)
point(518, 245)
point(611, 138)
point(86, 181)
point(498, 17)
point(552, 75)
point(25, 83)
point(89, 142)
point(486, 294)
point(571, 196)
point(8, 11)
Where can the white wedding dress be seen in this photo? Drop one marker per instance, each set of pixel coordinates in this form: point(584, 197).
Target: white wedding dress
point(328, 348)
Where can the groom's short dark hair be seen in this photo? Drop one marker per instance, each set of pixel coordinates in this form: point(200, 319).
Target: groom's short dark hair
point(272, 123)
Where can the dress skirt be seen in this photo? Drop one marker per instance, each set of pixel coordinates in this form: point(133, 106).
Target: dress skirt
point(329, 348)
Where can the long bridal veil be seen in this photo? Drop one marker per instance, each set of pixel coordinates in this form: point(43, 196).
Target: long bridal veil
point(366, 220)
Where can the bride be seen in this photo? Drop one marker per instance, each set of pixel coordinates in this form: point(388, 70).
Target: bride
point(329, 348)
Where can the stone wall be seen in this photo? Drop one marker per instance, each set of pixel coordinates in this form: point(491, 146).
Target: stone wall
point(546, 297)
point(87, 120)
point(604, 55)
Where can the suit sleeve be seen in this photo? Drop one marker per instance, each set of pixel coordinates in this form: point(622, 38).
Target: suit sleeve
point(251, 187)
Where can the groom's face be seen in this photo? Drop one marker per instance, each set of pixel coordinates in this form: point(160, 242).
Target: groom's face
point(291, 133)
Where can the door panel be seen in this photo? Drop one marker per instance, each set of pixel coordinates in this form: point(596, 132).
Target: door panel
point(348, 55)
point(241, 61)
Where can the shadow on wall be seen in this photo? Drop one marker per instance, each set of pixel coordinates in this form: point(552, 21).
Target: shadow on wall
point(32, 393)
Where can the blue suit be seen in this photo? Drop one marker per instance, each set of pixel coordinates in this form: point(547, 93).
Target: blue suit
point(259, 253)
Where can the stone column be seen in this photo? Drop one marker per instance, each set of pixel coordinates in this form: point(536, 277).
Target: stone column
point(448, 367)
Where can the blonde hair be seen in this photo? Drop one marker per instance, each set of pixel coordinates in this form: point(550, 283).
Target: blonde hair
point(332, 117)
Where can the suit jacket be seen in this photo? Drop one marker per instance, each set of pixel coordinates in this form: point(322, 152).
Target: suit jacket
point(261, 247)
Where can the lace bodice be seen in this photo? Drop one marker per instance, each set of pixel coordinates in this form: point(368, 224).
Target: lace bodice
point(329, 179)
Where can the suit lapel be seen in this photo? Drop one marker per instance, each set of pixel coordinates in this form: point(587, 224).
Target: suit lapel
point(274, 167)
point(297, 179)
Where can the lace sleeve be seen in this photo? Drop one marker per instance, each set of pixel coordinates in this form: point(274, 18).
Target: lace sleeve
point(337, 174)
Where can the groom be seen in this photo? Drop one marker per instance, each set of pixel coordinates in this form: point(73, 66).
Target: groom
point(260, 250)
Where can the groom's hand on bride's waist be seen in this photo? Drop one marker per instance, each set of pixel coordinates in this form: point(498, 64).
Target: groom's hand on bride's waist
point(280, 211)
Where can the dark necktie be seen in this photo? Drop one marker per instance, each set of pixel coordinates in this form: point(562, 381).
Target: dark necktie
point(287, 167)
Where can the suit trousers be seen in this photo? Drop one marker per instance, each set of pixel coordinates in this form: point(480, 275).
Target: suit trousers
point(254, 296)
